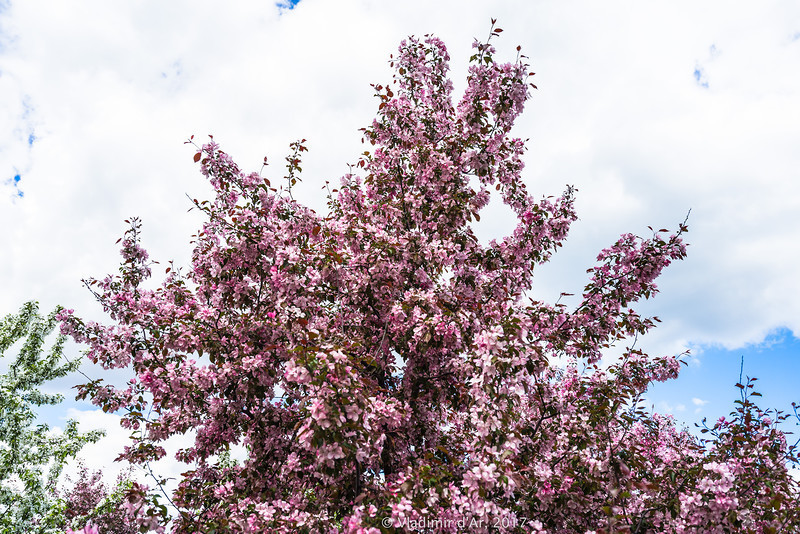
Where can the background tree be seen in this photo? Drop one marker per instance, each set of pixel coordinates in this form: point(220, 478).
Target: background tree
point(385, 371)
point(31, 455)
point(90, 504)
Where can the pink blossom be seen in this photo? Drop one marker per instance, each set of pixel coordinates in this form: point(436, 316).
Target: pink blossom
point(381, 362)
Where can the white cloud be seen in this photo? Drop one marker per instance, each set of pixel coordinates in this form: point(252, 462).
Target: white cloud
point(666, 408)
point(699, 403)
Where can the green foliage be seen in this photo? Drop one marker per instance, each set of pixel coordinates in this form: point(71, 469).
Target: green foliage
point(31, 455)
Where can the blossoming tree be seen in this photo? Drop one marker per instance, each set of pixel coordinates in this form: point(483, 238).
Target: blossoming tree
point(385, 371)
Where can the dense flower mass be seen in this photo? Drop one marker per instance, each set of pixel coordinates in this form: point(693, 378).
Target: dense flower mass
point(386, 372)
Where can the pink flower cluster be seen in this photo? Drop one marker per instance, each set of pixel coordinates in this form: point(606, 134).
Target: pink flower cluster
point(379, 362)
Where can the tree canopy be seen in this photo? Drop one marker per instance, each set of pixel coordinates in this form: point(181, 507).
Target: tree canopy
point(386, 372)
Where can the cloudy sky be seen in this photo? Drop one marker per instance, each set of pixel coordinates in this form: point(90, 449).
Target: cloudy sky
point(650, 109)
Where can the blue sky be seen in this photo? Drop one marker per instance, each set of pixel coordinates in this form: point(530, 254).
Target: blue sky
point(287, 4)
point(711, 376)
point(649, 109)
